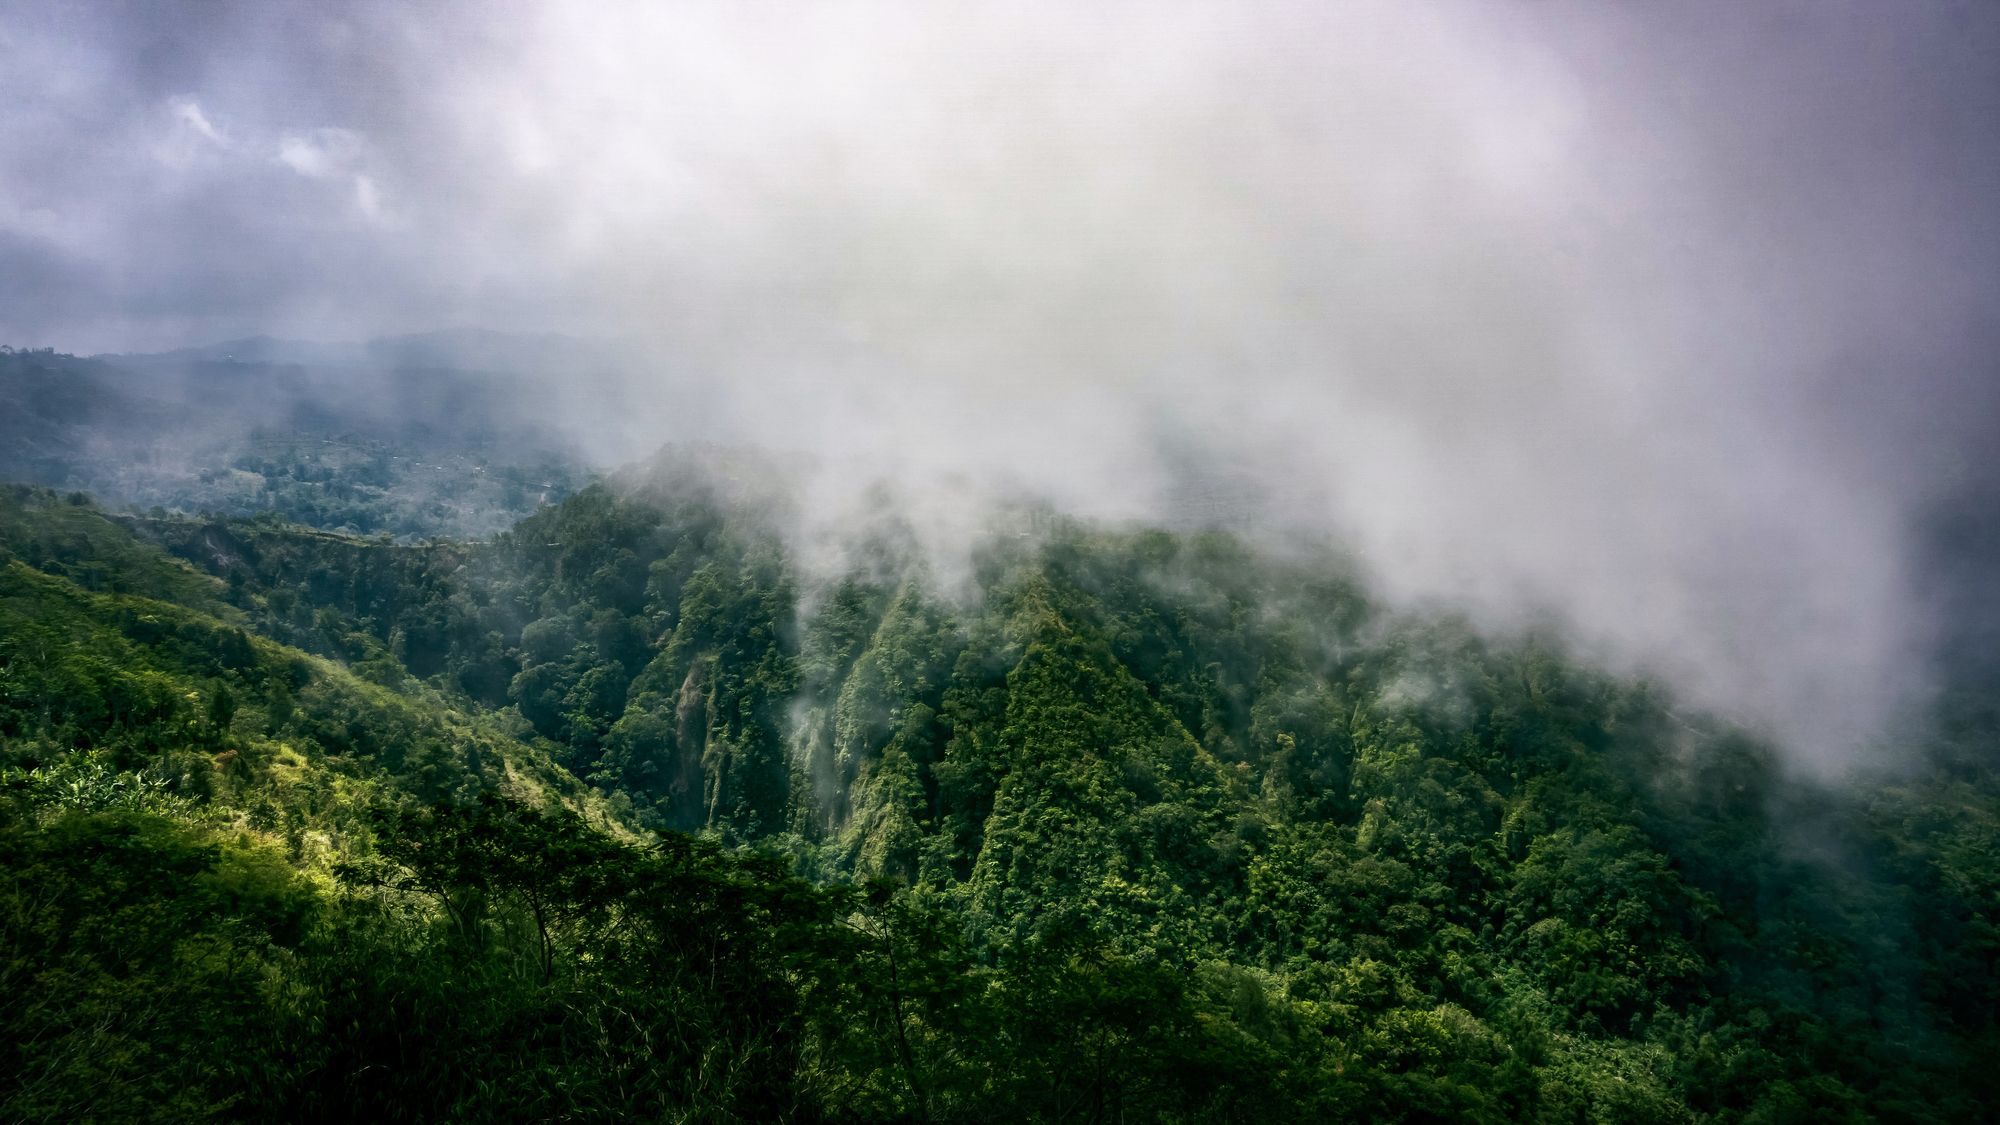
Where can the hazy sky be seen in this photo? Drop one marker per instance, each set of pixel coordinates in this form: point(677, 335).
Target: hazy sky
point(1672, 318)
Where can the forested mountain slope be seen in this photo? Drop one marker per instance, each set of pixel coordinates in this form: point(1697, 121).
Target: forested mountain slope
point(1093, 824)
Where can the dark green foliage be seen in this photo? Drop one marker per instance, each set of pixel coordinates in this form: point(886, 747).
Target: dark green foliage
point(1139, 827)
point(143, 969)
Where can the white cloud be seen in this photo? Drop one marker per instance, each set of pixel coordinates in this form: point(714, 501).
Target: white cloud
point(320, 153)
point(188, 135)
point(368, 198)
point(342, 156)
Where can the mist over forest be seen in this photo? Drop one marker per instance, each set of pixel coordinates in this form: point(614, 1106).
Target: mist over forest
point(1170, 562)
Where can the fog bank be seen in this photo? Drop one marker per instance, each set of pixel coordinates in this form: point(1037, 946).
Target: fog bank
point(1675, 324)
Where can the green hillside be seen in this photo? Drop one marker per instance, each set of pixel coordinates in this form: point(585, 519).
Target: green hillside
point(630, 812)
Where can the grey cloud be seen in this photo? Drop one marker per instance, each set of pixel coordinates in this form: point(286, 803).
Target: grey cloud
point(1674, 322)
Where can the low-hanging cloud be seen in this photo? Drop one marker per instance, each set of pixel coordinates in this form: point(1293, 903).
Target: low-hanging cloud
point(1672, 324)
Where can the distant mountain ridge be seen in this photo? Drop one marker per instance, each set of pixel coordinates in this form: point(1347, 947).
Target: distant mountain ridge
point(460, 349)
point(400, 435)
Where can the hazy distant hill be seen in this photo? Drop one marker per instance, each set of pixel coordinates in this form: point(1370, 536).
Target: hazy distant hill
point(431, 435)
point(460, 349)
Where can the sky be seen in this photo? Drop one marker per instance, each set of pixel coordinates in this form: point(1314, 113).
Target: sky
point(1674, 321)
